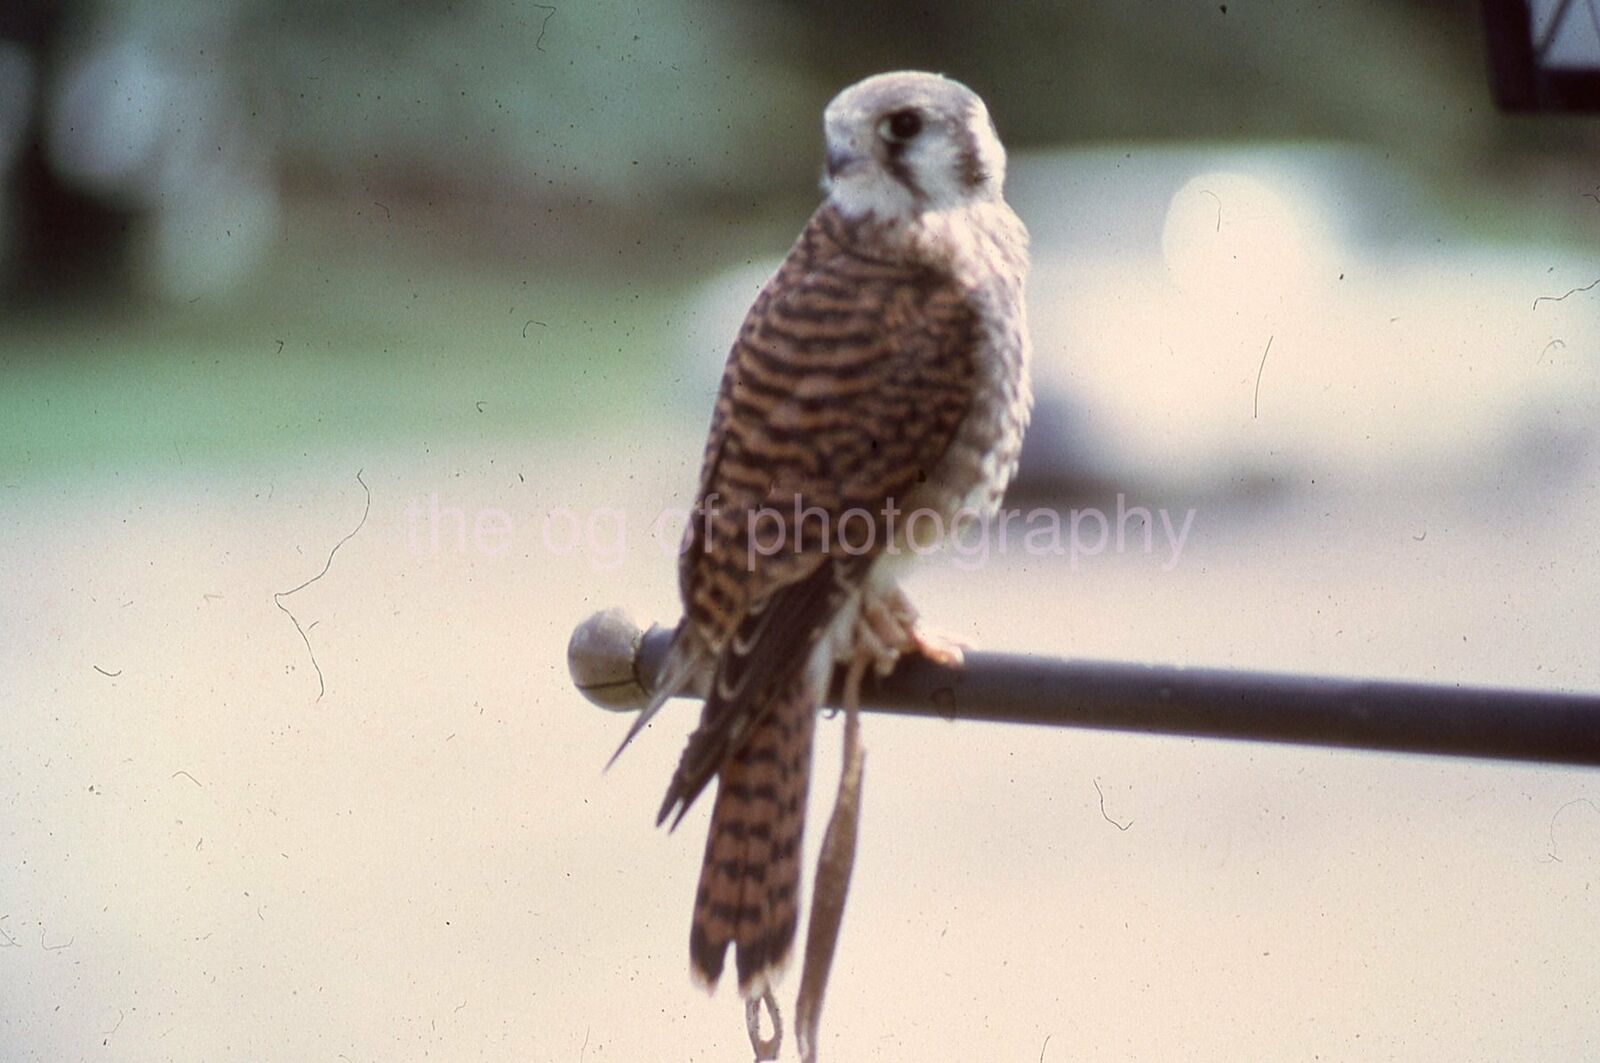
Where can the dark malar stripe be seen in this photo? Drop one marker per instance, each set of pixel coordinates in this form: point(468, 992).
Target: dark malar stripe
point(901, 172)
point(969, 165)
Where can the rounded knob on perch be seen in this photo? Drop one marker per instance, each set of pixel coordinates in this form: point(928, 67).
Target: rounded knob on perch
point(601, 658)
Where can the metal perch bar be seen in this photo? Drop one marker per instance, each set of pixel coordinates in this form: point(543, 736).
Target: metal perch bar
point(614, 664)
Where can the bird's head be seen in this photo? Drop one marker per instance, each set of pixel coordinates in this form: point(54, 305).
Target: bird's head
point(900, 144)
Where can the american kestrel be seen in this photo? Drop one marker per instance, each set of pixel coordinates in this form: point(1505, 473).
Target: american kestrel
point(882, 370)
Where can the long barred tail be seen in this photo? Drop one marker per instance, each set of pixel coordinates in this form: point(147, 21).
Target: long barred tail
point(750, 882)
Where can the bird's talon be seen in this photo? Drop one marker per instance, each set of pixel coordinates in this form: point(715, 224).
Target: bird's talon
point(941, 650)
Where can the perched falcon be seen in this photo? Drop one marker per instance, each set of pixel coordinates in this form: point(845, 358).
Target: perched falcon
point(882, 370)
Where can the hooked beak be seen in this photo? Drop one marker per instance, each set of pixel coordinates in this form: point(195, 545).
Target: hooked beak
point(840, 159)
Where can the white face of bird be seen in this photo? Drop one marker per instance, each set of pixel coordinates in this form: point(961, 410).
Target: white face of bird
point(901, 144)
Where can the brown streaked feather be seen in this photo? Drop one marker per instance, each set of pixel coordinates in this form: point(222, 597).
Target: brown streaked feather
point(686, 658)
point(749, 892)
point(762, 659)
point(845, 388)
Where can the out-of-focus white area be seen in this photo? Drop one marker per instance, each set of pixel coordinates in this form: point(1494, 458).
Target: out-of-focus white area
point(1569, 34)
point(428, 862)
point(1404, 354)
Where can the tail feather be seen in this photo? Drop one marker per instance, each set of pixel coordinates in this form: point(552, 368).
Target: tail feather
point(749, 891)
point(685, 659)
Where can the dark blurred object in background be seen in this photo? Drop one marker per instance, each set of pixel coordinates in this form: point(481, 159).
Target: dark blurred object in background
point(134, 162)
point(57, 241)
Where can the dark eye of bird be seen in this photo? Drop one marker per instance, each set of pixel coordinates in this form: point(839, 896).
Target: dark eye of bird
point(903, 125)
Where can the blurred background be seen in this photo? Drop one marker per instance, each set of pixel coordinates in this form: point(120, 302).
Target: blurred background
point(456, 281)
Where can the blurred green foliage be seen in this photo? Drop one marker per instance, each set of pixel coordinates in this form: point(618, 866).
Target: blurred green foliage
point(449, 171)
point(600, 100)
point(341, 344)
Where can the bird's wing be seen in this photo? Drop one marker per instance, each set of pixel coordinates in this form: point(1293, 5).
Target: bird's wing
point(844, 389)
